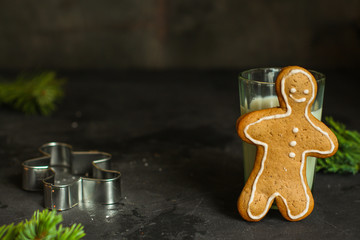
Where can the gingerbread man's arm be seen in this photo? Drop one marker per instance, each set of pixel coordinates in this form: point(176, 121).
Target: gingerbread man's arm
point(251, 117)
point(331, 141)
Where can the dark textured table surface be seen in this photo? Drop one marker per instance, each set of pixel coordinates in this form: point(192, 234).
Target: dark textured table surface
point(172, 136)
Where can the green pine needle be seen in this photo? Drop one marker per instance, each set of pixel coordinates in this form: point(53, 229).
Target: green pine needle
point(347, 158)
point(74, 232)
point(37, 94)
point(42, 226)
point(9, 232)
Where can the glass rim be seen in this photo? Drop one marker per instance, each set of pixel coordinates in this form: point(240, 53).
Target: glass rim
point(317, 75)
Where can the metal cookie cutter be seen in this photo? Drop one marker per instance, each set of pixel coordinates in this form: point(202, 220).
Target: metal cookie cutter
point(69, 178)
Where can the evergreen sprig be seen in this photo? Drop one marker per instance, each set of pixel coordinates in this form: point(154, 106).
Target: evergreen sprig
point(42, 226)
point(33, 94)
point(347, 158)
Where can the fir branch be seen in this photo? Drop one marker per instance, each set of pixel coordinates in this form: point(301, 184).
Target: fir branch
point(42, 226)
point(347, 158)
point(37, 94)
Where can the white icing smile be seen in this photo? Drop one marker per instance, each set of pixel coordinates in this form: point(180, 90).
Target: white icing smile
point(297, 99)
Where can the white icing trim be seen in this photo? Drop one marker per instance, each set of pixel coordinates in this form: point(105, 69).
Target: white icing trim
point(265, 146)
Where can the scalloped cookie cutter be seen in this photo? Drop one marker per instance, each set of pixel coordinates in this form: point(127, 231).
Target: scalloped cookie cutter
point(69, 178)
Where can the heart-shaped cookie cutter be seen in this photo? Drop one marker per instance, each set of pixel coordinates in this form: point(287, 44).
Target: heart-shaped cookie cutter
point(69, 178)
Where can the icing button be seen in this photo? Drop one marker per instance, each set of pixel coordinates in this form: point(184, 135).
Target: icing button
point(295, 130)
point(292, 155)
point(293, 143)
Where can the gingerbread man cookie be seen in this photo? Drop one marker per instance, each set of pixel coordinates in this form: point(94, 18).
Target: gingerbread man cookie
point(284, 137)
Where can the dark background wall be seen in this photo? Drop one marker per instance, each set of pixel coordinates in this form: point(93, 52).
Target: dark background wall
point(161, 34)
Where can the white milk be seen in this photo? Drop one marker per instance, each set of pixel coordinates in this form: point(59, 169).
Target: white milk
point(250, 150)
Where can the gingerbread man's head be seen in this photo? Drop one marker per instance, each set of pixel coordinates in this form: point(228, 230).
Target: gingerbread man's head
point(296, 87)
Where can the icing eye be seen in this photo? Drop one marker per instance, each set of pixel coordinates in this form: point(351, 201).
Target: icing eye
point(306, 91)
point(293, 90)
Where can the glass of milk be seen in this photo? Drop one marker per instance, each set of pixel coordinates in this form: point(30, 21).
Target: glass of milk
point(257, 91)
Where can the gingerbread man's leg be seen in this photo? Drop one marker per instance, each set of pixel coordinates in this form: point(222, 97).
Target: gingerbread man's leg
point(258, 198)
point(297, 206)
